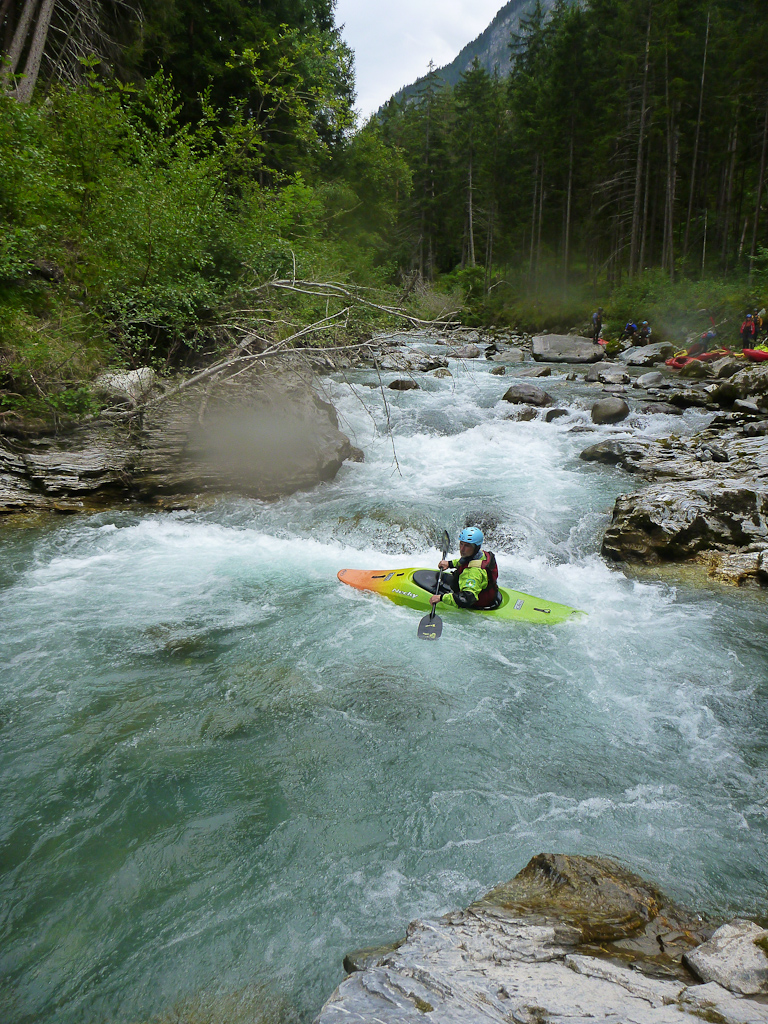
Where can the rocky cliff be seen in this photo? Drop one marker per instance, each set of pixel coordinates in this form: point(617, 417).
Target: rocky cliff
point(251, 437)
point(491, 47)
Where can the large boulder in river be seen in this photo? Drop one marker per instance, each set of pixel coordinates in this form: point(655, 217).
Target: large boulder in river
point(527, 394)
point(647, 355)
point(609, 410)
point(675, 520)
point(565, 348)
point(750, 382)
point(404, 384)
point(726, 367)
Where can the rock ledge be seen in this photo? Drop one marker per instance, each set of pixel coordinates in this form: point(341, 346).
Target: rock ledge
point(526, 954)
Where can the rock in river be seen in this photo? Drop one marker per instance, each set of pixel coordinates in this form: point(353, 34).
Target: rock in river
point(527, 394)
point(569, 940)
point(610, 410)
point(647, 355)
point(675, 520)
point(650, 380)
point(565, 348)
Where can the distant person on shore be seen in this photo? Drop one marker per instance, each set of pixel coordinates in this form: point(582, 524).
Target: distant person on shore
point(473, 582)
point(597, 324)
point(748, 332)
point(628, 334)
point(643, 336)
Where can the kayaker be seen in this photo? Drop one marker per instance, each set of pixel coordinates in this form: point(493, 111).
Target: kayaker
point(473, 582)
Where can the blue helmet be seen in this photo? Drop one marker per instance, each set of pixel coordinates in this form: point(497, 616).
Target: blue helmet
point(472, 535)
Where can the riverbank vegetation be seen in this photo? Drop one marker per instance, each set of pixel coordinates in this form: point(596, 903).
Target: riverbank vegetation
point(163, 163)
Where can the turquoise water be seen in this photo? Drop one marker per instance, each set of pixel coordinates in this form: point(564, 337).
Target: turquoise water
point(221, 768)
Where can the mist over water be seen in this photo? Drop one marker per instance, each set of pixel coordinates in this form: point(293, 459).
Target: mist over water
point(221, 768)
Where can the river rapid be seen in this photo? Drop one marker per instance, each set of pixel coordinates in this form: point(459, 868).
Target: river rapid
point(221, 769)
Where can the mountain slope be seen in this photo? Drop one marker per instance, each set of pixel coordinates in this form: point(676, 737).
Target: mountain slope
point(491, 47)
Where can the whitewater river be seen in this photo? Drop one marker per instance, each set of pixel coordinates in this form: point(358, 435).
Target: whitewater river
point(221, 769)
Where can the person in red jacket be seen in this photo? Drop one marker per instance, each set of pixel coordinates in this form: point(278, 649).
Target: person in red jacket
point(748, 332)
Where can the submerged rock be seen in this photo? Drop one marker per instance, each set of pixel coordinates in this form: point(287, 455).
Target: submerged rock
point(569, 939)
point(536, 371)
point(660, 408)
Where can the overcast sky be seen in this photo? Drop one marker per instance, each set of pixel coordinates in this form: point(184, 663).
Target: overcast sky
point(394, 40)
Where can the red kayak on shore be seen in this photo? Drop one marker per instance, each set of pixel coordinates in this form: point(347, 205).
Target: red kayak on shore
point(678, 362)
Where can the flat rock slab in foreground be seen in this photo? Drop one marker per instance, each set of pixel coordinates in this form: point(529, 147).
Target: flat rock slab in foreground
point(565, 348)
point(522, 955)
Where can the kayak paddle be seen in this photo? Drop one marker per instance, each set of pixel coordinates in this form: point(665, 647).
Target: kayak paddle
point(431, 626)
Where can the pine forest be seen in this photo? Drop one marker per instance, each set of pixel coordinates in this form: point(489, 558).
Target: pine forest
point(162, 163)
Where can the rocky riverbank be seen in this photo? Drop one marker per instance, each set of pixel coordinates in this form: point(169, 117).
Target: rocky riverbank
point(254, 436)
point(569, 939)
point(707, 497)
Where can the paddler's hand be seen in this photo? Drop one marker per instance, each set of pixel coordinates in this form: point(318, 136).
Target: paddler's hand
point(445, 564)
point(435, 598)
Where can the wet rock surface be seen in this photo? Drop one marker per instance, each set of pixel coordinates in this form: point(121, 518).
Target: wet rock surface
point(527, 394)
point(736, 957)
point(609, 410)
point(569, 939)
point(255, 439)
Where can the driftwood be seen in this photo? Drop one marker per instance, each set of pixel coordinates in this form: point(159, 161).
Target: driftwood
point(255, 348)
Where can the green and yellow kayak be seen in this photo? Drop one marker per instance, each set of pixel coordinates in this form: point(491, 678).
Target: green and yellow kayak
point(411, 587)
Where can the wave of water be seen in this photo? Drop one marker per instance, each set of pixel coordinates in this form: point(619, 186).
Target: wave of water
point(222, 768)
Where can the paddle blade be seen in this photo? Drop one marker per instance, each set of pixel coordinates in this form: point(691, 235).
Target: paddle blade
point(430, 628)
